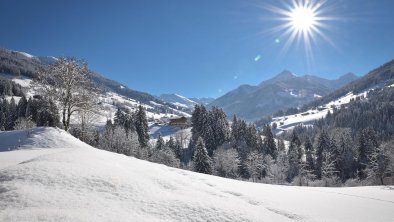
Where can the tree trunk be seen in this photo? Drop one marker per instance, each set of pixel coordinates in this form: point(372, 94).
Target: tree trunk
point(64, 119)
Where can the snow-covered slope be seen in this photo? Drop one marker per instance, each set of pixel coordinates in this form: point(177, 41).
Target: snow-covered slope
point(308, 117)
point(178, 100)
point(21, 67)
point(109, 103)
point(82, 183)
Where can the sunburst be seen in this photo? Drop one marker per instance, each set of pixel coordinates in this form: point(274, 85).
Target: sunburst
point(302, 21)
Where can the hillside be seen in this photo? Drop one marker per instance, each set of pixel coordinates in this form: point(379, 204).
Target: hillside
point(22, 68)
point(283, 91)
point(381, 78)
point(81, 183)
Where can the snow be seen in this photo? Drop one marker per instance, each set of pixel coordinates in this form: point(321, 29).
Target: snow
point(285, 123)
point(21, 80)
point(81, 183)
point(26, 54)
point(186, 99)
point(180, 104)
point(316, 96)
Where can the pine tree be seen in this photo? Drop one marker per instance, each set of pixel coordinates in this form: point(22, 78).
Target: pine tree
point(309, 161)
point(22, 105)
point(119, 117)
point(141, 125)
point(346, 161)
point(379, 166)
point(269, 142)
point(12, 114)
point(202, 162)
point(220, 127)
point(293, 156)
point(281, 145)
point(322, 145)
point(160, 144)
point(366, 146)
point(255, 165)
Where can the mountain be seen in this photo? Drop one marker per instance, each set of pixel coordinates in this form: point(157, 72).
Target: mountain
point(378, 77)
point(282, 91)
point(22, 67)
point(53, 175)
point(374, 92)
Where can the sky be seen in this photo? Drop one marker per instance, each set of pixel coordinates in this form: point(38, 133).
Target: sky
point(199, 48)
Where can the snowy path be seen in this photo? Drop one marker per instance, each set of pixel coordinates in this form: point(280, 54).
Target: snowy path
point(87, 184)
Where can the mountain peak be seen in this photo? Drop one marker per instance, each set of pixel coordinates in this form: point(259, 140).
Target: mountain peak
point(284, 75)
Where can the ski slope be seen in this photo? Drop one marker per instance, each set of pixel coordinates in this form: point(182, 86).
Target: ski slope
point(70, 181)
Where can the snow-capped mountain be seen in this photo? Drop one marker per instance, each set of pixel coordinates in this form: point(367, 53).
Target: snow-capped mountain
point(53, 175)
point(22, 67)
point(283, 91)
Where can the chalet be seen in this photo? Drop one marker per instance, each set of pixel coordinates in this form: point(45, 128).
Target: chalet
point(182, 122)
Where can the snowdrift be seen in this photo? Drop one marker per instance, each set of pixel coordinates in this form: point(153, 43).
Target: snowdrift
point(75, 182)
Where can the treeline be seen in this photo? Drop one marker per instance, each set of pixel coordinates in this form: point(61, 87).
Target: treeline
point(27, 113)
point(310, 156)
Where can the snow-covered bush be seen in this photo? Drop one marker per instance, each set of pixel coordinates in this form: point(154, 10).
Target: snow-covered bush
point(226, 163)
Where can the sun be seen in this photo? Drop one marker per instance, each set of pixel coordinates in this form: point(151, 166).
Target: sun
point(303, 18)
point(301, 21)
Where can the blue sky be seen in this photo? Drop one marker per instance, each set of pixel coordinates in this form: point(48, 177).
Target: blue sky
point(197, 48)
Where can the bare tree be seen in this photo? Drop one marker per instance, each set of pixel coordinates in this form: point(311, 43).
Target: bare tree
point(64, 82)
point(87, 113)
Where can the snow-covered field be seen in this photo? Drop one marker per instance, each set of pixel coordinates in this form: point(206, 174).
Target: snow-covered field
point(68, 180)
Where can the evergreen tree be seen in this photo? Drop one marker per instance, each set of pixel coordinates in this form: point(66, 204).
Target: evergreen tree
point(293, 157)
point(141, 125)
point(12, 114)
point(202, 162)
point(119, 117)
point(366, 146)
point(252, 138)
point(346, 161)
point(309, 161)
point(22, 105)
point(160, 144)
point(269, 142)
point(255, 165)
point(379, 166)
point(322, 145)
point(220, 127)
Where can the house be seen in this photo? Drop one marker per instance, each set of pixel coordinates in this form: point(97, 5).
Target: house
point(182, 122)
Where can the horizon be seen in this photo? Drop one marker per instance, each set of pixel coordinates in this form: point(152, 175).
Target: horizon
point(174, 47)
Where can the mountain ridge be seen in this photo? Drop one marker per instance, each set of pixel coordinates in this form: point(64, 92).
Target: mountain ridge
point(284, 90)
